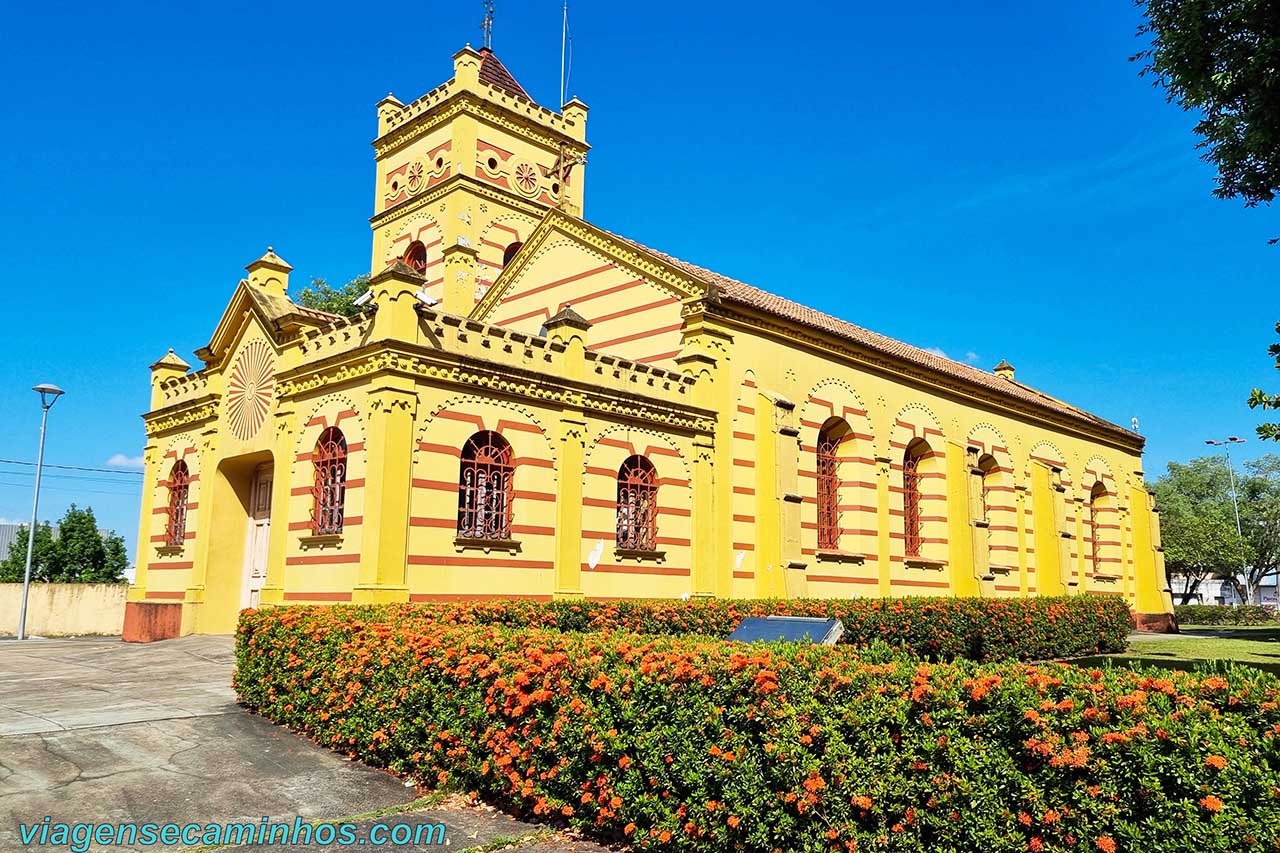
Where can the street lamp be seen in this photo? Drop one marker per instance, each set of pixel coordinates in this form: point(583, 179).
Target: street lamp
point(49, 395)
point(1225, 444)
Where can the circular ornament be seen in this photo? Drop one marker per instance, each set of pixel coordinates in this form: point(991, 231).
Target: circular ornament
point(413, 181)
point(249, 389)
point(525, 176)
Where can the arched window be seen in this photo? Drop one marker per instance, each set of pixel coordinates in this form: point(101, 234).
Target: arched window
point(511, 252)
point(415, 257)
point(637, 505)
point(912, 526)
point(179, 484)
point(330, 489)
point(990, 468)
point(486, 487)
point(1097, 495)
point(833, 432)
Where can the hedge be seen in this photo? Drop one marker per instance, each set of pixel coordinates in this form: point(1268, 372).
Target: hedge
point(693, 744)
point(1222, 614)
point(934, 628)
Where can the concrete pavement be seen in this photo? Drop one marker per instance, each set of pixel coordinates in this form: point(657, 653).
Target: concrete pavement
point(95, 730)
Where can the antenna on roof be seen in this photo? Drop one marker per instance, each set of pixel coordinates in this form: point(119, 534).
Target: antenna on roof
point(487, 26)
point(566, 43)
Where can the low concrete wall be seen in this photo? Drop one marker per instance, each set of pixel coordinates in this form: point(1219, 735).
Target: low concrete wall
point(64, 609)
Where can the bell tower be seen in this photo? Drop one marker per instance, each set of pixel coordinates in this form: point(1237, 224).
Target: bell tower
point(466, 171)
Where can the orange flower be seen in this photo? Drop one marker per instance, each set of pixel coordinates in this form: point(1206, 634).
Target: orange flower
point(628, 829)
point(1211, 803)
point(624, 762)
point(1217, 762)
point(1106, 844)
point(734, 820)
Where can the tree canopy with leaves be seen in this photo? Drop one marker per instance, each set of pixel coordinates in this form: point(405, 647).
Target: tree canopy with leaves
point(1197, 525)
point(80, 553)
point(321, 296)
point(1221, 58)
point(1198, 529)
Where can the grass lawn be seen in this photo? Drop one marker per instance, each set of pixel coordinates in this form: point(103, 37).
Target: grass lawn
point(1258, 646)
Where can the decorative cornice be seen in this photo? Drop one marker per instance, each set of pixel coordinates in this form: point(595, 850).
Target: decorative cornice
point(448, 185)
point(440, 105)
point(181, 416)
point(438, 366)
point(866, 358)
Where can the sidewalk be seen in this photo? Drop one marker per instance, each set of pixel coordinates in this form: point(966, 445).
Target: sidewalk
point(95, 730)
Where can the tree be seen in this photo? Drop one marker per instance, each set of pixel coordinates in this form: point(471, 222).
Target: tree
point(1260, 400)
point(80, 553)
point(1219, 58)
point(1260, 518)
point(43, 555)
point(336, 300)
point(1197, 524)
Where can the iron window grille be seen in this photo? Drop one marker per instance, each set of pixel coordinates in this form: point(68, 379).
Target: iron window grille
point(828, 491)
point(637, 505)
point(179, 488)
point(911, 504)
point(330, 489)
point(486, 487)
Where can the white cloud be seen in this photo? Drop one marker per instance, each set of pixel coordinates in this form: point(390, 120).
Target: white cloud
point(4, 520)
point(122, 461)
point(970, 357)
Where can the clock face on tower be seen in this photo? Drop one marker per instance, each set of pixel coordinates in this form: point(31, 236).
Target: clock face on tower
point(249, 389)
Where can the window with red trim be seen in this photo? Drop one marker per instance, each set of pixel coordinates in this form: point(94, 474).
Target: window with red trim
point(415, 257)
point(486, 487)
point(330, 488)
point(175, 531)
point(912, 526)
point(830, 436)
point(637, 505)
point(988, 466)
point(1096, 496)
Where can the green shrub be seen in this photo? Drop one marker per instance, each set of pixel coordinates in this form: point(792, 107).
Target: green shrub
point(1222, 614)
point(692, 744)
point(934, 628)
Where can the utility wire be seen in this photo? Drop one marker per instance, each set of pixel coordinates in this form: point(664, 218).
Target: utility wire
point(75, 468)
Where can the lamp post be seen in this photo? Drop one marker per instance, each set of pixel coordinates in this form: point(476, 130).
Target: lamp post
point(49, 395)
point(1225, 444)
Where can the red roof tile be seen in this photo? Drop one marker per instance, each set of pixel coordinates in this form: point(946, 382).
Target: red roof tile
point(747, 295)
point(493, 72)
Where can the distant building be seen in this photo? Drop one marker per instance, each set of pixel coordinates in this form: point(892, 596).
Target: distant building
point(1219, 591)
point(8, 533)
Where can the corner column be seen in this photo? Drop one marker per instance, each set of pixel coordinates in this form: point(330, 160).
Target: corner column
point(389, 459)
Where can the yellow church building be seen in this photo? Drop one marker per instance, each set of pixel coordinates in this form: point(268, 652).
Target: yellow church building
point(529, 406)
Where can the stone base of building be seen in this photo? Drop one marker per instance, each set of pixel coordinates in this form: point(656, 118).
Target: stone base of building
point(1155, 623)
point(146, 622)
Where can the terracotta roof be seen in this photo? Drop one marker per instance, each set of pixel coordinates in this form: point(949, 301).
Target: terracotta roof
point(732, 291)
point(493, 72)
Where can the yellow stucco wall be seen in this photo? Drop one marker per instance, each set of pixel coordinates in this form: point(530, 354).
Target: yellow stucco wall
point(727, 406)
point(64, 609)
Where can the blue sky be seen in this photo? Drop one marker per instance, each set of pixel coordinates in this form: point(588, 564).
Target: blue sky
point(1000, 185)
